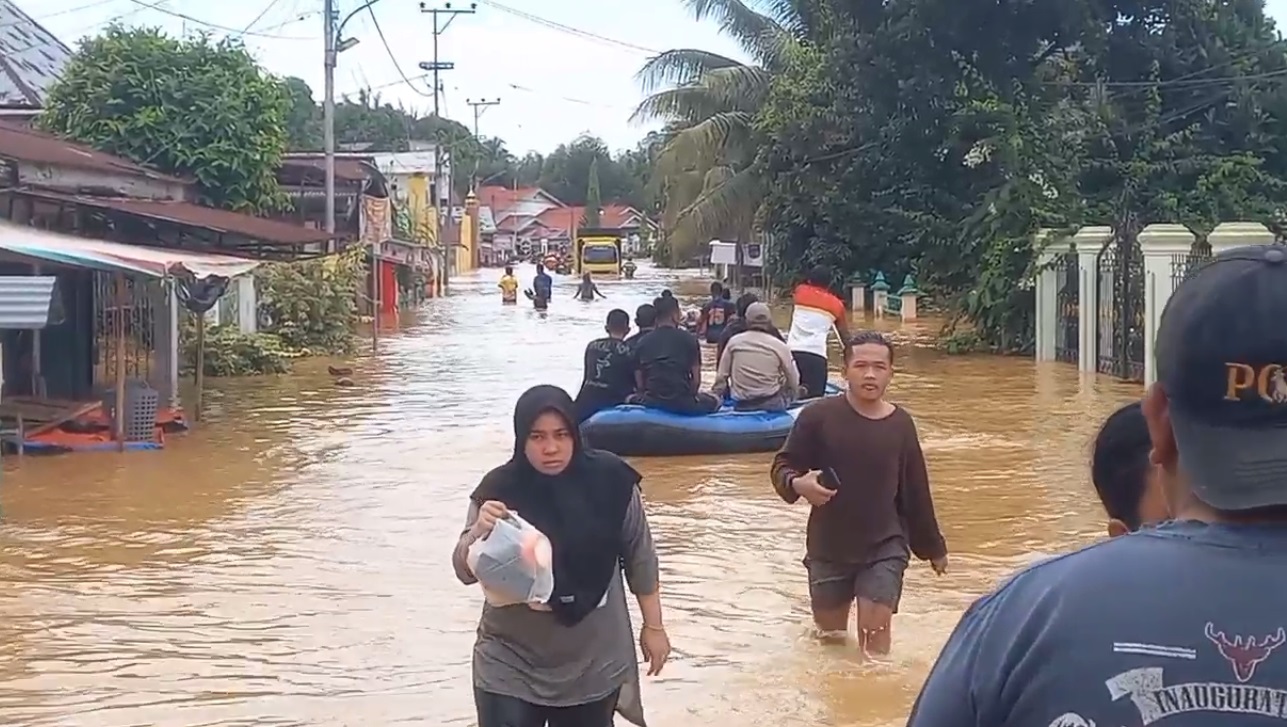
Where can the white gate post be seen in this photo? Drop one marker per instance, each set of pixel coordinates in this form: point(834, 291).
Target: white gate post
point(1047, 294)
point(247, 304)
point(1089, 241)
point(1166, 250)
point(1228, 235)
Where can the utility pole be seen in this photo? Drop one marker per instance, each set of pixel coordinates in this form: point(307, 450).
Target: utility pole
point(479, 107)
point(435, 67)
point(330, 16)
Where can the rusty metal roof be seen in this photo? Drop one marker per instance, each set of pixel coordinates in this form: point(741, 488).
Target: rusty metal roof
point(24, 144)
point(194, 215)
point(31, 58)
point(355, 169)
point(27, 302)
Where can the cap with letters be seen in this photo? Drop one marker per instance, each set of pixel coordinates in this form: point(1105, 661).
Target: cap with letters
point(1221, 351)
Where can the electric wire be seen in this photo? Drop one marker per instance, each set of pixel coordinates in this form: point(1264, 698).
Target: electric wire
point(568, 29)
point(389, 51)
point(216, 26)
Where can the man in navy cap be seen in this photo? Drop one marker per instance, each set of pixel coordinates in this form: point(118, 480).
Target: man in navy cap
point(1185, 624)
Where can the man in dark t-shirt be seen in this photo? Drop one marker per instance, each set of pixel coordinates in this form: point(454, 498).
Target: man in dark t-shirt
point(645, 321)
point(609, 375)
point(716, 314)
point(670, 366)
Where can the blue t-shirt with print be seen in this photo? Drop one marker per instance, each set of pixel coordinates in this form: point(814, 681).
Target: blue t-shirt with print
point(1178, 626)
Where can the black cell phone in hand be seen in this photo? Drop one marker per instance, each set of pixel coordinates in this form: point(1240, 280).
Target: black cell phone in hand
point(829, 479)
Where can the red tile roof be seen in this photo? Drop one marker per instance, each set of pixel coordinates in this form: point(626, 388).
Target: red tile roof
point(193, 215)
point(24, 144)
point(613, 217)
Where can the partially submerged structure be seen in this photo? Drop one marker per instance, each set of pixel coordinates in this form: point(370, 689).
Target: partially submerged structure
point(127, 247)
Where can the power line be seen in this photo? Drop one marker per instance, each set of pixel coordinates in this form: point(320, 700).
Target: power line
point(260, 16)
point(553, 25)
point(216, 26)
point(68, 11)
point(398, 66)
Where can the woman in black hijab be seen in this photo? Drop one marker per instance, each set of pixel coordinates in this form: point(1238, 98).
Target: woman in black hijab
point(569, 662)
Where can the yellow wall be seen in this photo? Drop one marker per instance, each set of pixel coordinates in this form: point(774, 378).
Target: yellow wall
point(424, 216)
point(465, 253)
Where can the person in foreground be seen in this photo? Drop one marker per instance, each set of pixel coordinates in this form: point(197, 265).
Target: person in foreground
point(508, 286)
point(586, 289)
point(817, 313)
point(609, 370)
point(669, 367)
point(569, 662)
point(856, 459)
point(1181, 625)
point(1126, 482)
point(757, 370)
point(738, 324)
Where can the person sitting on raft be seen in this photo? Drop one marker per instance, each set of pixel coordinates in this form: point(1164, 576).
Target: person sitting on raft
point(738, 324)
point(609, 371)
point(586, 290)
point(757, 369)
point(645, 321)
point(569, 662)
point(669, 371)
point(716, 314)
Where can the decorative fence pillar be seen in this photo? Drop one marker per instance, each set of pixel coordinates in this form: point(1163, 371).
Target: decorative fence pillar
point(1168, 257)
point(1228, 235)
point(1088, 242)
point(247, 304)
point(1049, 259)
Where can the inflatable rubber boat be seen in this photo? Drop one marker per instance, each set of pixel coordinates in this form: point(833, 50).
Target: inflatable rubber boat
point(637, 431)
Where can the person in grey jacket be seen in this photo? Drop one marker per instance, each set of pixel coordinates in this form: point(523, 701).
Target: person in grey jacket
point(568, 662)
point(756, 368)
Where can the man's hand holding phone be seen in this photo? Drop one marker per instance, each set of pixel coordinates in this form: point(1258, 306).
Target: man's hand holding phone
point(809, 486)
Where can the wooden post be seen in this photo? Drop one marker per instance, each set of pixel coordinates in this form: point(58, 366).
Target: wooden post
point(199, 375)
point(118, 426)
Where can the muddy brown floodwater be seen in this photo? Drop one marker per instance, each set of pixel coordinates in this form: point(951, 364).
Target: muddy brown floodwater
point(287, 563)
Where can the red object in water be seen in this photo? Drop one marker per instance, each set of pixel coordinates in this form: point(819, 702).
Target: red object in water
point(388, 287)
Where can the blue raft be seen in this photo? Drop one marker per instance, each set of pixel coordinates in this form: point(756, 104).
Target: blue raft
point(636, 431)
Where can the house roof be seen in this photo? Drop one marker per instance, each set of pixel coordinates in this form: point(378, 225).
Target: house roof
point(31, 58)
point(502, 199)
point(194, 215)
point(354, 169)
point(564, 219)
point(24, 144)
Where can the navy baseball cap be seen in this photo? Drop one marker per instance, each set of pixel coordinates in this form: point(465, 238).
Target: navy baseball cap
point(1221, 352)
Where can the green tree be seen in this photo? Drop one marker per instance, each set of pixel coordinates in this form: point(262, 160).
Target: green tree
point(900, 138)
point(593, 202)
point(704, 174)
point(192, 106)
point(303, 117)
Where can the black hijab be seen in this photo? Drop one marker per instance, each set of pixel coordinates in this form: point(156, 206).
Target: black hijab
point(581, 509)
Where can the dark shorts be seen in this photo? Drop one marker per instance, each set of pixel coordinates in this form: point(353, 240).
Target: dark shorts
point(495, 710)
point(836, 585)
point(813, 373)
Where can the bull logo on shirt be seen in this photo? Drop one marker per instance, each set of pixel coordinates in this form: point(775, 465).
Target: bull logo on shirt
point(1244, 653)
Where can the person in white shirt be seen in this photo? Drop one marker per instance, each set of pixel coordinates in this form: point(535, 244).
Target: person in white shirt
point(817, 313)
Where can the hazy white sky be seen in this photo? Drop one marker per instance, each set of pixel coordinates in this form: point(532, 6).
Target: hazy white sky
point(566, 68)
point(553, 82)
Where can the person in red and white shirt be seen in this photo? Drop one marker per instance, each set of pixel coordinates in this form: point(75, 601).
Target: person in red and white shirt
point(817, 313)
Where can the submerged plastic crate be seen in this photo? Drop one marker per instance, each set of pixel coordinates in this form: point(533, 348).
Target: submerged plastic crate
point(141, 404)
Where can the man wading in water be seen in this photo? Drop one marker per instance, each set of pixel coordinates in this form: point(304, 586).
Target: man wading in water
point(856, 459)
point(1183, 624)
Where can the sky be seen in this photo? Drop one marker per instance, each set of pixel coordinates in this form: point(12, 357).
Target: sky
point(560, 68)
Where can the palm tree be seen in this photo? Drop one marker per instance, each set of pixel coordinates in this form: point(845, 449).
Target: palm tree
point(705, 172)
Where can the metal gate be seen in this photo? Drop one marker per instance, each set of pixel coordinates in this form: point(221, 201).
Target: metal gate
point(125, 317)
point(1067, 309)
point(1184, 266)
point(1119, 313)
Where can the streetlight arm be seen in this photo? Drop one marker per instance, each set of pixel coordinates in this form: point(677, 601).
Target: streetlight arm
point(339, 30)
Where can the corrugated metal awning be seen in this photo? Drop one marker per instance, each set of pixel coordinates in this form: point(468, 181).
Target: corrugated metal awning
point(27, 302)
point(83, 252)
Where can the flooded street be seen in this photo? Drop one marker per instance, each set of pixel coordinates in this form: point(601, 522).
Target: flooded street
point(288, 562)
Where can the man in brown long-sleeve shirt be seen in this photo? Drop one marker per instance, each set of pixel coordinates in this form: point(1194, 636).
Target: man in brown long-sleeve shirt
point(856, 459)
